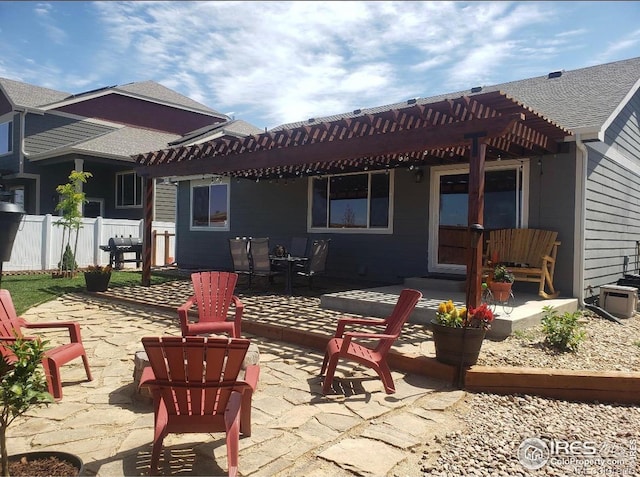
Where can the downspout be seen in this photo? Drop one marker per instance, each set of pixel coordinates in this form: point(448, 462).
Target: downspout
point(582, 162)
point(23, 114)
point(23, 153)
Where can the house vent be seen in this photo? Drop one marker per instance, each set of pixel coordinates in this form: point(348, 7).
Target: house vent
point(412, 101)
point(312, 120)
point(357, 111)
point(476, 89)
point(554, 74)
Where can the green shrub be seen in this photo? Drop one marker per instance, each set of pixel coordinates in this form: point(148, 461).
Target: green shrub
point(68, 260)
point(562, 332)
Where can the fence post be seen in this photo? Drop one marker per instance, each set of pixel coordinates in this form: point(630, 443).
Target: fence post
point(154, 240)
point(97, 240)
point(47, 242)
point(166, 247)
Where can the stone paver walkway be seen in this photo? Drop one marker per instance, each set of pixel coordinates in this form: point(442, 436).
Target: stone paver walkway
point(296, 430)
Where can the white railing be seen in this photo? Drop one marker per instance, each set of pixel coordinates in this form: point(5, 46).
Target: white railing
point(38, 242)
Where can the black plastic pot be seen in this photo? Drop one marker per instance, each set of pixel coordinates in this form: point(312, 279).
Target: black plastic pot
point(97, 282)
point(73, 459)
point(10, 217)
point(457, 346)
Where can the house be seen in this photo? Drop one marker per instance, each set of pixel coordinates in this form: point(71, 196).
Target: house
point(45, 134)
point(391, 185)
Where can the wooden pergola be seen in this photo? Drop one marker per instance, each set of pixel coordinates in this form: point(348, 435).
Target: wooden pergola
point(473, 129)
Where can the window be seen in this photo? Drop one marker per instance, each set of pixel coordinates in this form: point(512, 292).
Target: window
point(210, 204)
point(128, 190)
point(6, 138)
point(356, 202)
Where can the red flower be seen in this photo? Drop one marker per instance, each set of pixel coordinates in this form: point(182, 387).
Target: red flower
point(478, 317)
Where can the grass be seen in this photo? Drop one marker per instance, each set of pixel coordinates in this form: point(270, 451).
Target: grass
point(32, 290)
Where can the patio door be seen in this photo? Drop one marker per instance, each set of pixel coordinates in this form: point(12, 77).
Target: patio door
point(505, 206)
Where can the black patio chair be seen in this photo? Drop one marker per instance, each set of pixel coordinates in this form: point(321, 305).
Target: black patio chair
point(317, 261)
point(260, 262)
point(239, 248)
point(298, 247)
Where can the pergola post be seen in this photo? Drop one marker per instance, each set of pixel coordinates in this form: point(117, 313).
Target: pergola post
point(476, 217)
point(148, 226)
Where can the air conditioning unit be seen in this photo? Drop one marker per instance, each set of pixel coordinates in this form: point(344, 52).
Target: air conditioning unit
point(619, 300)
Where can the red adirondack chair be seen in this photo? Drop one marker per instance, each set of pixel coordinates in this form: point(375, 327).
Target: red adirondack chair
point(343, 346)
point(213, 295)
point(195, 386)
point(11, 328)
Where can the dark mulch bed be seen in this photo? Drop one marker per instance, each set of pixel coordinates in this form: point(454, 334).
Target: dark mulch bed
point(42, 467)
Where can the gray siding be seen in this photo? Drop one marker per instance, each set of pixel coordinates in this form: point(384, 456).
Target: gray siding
point(47, 132)
point(11, 162)
point(552, 206)
point(613, 202)
point(279, 211)
point(612, 220)
point(624, 131)
point(165, 202)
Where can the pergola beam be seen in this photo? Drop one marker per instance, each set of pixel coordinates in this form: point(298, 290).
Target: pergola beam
point(398, 142)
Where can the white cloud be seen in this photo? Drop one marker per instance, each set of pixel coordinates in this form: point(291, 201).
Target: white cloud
point(614, 49)
point(288, 61)
point(54, 33)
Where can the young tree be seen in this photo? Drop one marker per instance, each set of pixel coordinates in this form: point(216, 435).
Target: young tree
point(71, 200)
point(22, 386)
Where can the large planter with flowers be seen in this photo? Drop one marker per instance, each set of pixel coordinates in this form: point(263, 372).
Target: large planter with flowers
point(458, 334)
point(97, 278)
point(457, 345)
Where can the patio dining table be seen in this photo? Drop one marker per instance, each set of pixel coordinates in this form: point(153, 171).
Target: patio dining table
point(289, 261)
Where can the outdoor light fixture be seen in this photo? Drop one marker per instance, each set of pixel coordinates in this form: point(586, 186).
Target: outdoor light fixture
point(418, 175)
point(475, 234)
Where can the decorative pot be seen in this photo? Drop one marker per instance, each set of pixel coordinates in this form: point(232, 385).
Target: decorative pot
point(457, 345)
point(36, 463)
point(500, 290)
point(97, 282)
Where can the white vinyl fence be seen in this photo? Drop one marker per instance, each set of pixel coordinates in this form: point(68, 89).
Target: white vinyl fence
point(38, 244)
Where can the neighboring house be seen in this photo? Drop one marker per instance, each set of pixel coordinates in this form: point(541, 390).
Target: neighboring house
point(389, 185)
point(45, 134)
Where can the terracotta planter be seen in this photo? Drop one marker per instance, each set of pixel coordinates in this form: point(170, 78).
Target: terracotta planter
point(457, 345)
point(97, 282)
point(500, 290)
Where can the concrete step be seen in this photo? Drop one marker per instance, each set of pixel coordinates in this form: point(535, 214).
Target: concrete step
point(379, 302)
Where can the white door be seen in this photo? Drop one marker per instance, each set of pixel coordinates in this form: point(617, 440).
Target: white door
point(505, 206)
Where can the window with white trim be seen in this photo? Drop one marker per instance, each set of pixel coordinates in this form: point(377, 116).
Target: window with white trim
point(210, 204)
point(355, 202)
point(129, 188)
point(6, 137)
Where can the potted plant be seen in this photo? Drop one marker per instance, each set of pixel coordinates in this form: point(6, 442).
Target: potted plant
point(23, 386)
point(501, 283)
point(458, 333)
point(97, 277)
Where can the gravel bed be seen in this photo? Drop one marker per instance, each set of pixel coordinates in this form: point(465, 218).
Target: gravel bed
point(608, 346)
point(494, 426)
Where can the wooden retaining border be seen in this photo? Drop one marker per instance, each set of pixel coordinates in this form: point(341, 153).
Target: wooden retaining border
point(581, 386)
point(571, 385)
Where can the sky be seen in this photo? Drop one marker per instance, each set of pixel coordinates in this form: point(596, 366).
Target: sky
point(271, 63)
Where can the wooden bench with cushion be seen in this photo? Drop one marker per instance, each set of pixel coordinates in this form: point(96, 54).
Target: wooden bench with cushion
point(530, 254)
